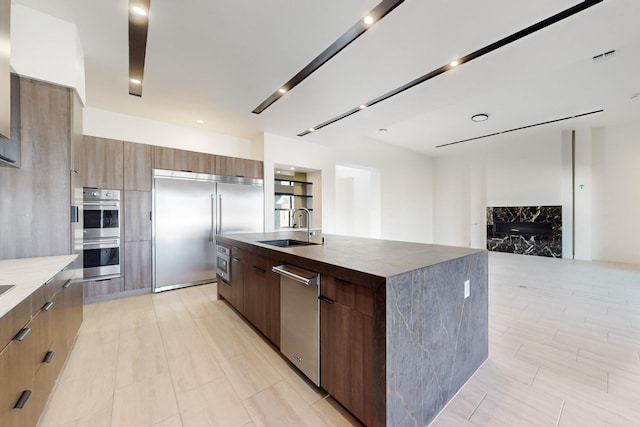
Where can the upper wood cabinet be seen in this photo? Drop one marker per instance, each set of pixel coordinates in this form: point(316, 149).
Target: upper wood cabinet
point(137, 166)
point(191, 161)
point(234, 166)
point(183, 160)
point(103, 163)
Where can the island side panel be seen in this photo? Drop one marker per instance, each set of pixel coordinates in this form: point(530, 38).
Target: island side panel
point(436, 339)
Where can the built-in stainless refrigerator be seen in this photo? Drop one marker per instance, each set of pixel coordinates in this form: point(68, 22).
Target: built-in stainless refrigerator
point(189, 210)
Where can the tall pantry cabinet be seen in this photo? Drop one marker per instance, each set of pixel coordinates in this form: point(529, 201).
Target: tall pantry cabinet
point(37, 198)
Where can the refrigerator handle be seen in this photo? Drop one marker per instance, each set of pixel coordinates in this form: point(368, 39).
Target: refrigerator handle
point(220, 213)
point(213, 218)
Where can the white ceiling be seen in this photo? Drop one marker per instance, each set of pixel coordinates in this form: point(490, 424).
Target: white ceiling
point(217, 60)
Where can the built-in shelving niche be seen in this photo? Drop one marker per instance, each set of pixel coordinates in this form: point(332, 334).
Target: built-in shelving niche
point(294, 189)
point(526, 230)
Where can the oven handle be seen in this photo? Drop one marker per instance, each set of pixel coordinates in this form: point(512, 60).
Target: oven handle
point(105, 204)
point(102, 242)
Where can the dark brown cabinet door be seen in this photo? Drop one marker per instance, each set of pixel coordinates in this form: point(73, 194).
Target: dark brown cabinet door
point(103, 163)
point(346, 345)
point(262, 297)
point(137, 166)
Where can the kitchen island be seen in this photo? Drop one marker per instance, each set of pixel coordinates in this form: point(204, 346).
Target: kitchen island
point(402, 325)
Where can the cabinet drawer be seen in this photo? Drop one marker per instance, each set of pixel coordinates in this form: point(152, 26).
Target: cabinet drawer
point(57, 282)
point(13, 321)
point(351, 295)
point(17, 383)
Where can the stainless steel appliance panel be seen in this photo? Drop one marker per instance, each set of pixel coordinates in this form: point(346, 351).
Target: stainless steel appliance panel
point(184, 246)
point(299, 321)
point(223, 262)
point(240, 208)
point(101, 259)
point(101, 213)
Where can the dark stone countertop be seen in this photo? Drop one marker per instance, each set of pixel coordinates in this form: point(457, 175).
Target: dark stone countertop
point(361, 260)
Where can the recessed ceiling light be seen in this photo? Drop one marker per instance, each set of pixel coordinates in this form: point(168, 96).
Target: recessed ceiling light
point(282, 90)
point(292, 168)
point(200, 121)
point(362, 106)
point(368, 20)
point(311, 129)
point(383, 130)
point(278, 171)
point(454, 63)
point(139, 11)
point(135, 81)
point(479, 117)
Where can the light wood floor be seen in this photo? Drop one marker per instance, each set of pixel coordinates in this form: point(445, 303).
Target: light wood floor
point(564, 350)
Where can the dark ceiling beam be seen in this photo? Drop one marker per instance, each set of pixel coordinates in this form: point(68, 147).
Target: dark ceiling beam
point(377, 13)
point(467, 58)
point(138, 29)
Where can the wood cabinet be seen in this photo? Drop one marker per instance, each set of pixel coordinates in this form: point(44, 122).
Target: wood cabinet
point(347, 345)
point(136, 207)
point(183, 160)
point(137, 265)
point(103, 163)
point(37, 194)
point(137, 166)
point(262, 296)
point(10, 152)
point(135, 256)
point(233, 166)
point(34, 356)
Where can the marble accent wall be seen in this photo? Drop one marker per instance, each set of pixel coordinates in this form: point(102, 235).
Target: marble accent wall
point(525, 243)
point(436, 339)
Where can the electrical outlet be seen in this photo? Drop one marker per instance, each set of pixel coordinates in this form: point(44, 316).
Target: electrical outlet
point(467, 289)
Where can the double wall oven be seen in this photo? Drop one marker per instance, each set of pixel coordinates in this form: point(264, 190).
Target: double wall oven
point(101, 243)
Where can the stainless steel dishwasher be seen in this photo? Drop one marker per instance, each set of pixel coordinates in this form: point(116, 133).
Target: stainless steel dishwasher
point(299, 324)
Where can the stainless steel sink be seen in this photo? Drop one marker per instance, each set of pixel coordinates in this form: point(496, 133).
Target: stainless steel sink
point(287, 243)
point(5, 288)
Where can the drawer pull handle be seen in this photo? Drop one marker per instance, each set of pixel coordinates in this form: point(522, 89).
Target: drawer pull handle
point(48, 356)
point(22, 334)
point(325, 299)
point(342, 282)
point(23, 399)
point(66, 284)
point(259, 269)
point(47, 306)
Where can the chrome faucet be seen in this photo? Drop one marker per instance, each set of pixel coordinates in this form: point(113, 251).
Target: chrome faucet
point(308, 221)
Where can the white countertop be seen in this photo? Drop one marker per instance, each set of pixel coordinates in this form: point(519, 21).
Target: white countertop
point(27, 274)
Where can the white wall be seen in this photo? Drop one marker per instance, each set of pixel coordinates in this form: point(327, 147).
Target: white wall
point(536, 169)
point(46, 48)
point(513, 170)
point(107, 124)
point(405, 182)
point(357, 198)
point(616, 193)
